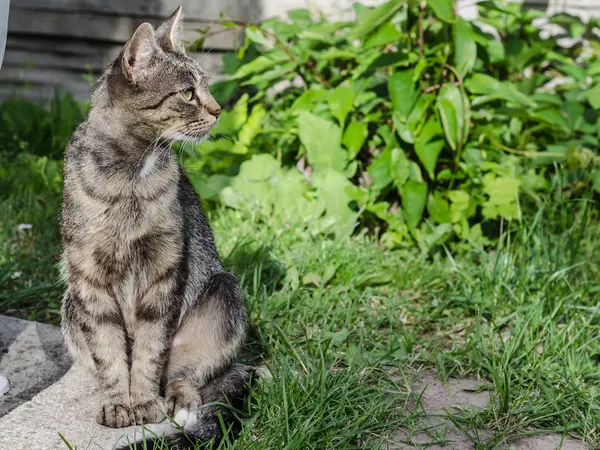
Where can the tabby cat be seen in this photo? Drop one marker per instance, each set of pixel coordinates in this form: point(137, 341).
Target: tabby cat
point(148, 308)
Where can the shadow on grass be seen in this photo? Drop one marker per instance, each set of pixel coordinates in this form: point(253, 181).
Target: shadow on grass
point(260, 275)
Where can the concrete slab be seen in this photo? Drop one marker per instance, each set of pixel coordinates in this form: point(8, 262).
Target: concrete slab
point(547, 442)
point(46, 398)
point(32, 357)
point(66, 408)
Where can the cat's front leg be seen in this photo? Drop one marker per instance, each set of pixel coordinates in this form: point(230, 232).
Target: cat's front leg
point(90, 312)
point(155, 312)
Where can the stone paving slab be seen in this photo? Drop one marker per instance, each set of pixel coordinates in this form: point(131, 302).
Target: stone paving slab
point(434, 431)
point(46, 398)
point(67, 407)
point(32, 357)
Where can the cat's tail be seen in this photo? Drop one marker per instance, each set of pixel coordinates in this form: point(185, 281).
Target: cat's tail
point(229, 389)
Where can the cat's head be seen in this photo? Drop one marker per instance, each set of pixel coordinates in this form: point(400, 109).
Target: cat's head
point(157, 85)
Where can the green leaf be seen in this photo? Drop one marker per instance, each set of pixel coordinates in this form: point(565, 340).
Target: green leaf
point(577, 72)
point(259, 168)
point(414, 171)
point(340, 102)
point(403, 92)
point(593, 96)
point(354, 137)
point(454, 109)
point(493, 89)
point(449, 119)
point(222, 91)
point(379, 170)
point(418, 115)
point(261, 63)
point(502, 194)
point(465, 49)
point(429, 144)
point(460, 207)
point(438, 208)
point(211, 187)
point(321, 138)
point(301, 16)
point(596, 185)
point(331, 188)
point(231, 121)
point(361, 11)
point(414, 197)
point(480, 83)
point(264, 186)
point(228, 24)
point(386, 34)
point(256, 35)
point(443, 9)
point(309, 99)
point(250, 129)
point(311, 278)
point(277, 72)
point(399, 167)
point(375, 18)
point(495, 50)
point(336, 54)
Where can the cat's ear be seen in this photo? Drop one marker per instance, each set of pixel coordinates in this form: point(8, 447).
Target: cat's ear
point(139, 51)
point(169, 33)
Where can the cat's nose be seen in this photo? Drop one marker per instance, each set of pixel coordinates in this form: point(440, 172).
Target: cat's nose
point(212, 106)
point(214, 110)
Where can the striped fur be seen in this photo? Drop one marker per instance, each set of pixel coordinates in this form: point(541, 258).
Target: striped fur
point(148, 308)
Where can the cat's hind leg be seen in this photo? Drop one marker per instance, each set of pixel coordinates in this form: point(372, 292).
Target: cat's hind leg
point(204, 346)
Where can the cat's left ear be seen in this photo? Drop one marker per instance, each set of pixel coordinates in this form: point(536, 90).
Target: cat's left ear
point(169, 33)
point(139, 51)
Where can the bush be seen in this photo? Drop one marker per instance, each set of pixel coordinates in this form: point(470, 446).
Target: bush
point(421, 126)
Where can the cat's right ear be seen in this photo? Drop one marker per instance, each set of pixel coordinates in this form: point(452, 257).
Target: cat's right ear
point(168, 34)
point(139, 51)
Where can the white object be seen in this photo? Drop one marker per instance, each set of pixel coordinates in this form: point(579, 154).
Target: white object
point(3, 33)
point(4, 385)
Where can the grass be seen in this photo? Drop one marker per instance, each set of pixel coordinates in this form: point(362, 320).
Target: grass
point(524, 316)
point(336, 320)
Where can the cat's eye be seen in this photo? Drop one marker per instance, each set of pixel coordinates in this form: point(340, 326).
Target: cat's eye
point(188, 94)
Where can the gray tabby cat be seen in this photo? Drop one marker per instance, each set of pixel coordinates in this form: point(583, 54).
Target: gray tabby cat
point(148, 307)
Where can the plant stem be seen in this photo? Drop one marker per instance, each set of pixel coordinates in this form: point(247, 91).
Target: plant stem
point(435, 87)
point(421, 41)
point(526, 153)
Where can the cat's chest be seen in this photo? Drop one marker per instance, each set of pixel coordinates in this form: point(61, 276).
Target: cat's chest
point(129, 244)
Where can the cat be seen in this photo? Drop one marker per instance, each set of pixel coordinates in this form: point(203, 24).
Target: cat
point(148, 306)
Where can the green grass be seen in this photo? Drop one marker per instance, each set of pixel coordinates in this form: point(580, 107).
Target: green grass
point(335, 318)
point(32, 142)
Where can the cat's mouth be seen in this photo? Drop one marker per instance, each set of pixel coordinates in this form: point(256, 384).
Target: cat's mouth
point(188, 138)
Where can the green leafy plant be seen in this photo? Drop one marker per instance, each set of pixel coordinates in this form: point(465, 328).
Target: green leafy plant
point(409, 120)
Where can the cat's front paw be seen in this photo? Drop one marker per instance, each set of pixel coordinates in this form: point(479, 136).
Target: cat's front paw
point(115, 416)
point(151, 411)
point(183, 400)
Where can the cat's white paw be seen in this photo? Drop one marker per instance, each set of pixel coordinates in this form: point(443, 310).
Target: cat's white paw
point(181, 417)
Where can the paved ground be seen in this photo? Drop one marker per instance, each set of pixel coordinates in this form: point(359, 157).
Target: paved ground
point(32, 356)
point(46, 398)
point(434, 431)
